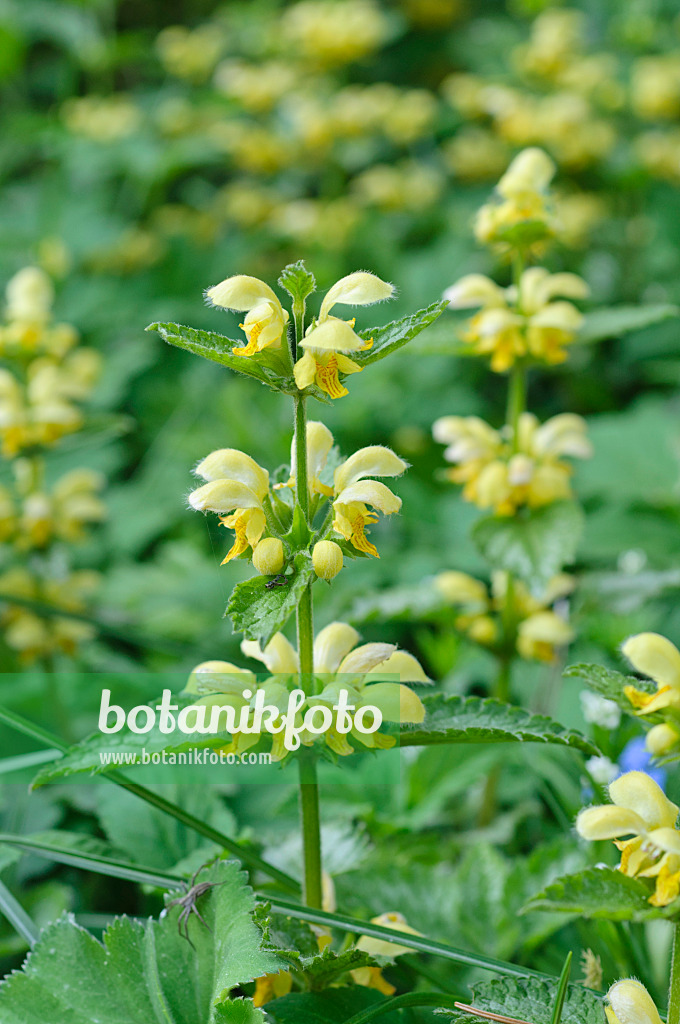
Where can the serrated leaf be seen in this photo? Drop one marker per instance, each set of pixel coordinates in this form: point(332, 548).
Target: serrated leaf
point(610, 684)
point(297, 281)
point(532, 1000)
point(392, 336)
point(618, 320)
point(457, 719)
point(602, 893)
point(268, 367)
point(258, 612)
point(534, 546)
point(238, 1011)
point(144, 971)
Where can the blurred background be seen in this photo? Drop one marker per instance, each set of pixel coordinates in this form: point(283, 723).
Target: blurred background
point(150, 150)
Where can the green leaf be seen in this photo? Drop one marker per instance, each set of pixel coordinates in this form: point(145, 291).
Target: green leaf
point(531, 1000)
point(618, 320)
point(297, 281)
point(268, 368)
point(610, 684)
point(534, 546)
point(457, 719)
point(392, 336)
point(238, 1011)
point(145, 972)
point(258, 612)
point(332, 1007)
point(602, 893)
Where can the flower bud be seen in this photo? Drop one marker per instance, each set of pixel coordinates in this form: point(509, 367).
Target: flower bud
point(327, 559)
point(268, 556)
point(661, 739)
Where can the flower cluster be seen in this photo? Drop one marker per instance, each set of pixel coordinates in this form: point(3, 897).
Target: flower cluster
point(368, 674)
point(654, 656)
point(503, 472)
point(528, 321)
point(639, 809)
point(239, 491)
point(44, 377)
point(537, 631)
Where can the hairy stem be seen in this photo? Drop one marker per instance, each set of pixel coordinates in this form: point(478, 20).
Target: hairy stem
point(311, 830)
point(517, 400)
point(674, 990)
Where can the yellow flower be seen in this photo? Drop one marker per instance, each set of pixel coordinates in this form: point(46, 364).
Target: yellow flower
point(641, 809)
point(266, 319)
point(521, 214)
point(654, 656)
point(357, 498)
point(34, 637)
point(335, 33)
point(72, 504)
point(329, 338)
point(630, 1003)
point(371, 977)
point(30, 296)
point(498, 473)
point(237, 485)
point(514, 323)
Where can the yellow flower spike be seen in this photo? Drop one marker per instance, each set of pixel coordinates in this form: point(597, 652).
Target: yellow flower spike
point(630, 1003)
point(279, 656)
point(459, 588)
point(352, 515)
point(268, 556)
point(30, 295)
point(327, 559)
point(332, 644)
point(654, 656)
point(374, 460)
point(358, 289)
point(266, 319)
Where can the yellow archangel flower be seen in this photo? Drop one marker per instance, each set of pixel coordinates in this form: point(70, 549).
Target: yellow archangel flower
point(355, 498)
point(629, 1002)
point(371, 977)
point(501, 473)
point(520, 213)
point(265, 320)
point(540, 631)
point(328, 339)
point(640, 809)
point(337, 659)
point(654, 656)
point(238, 486)
point(525, 322)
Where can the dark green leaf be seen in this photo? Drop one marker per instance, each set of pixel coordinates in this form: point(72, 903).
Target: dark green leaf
point(612, 323)
point(297, 280)
point(144, 971)
point(459, 719)
point(258, 612)
point(531, 1000)
point(392, 336)
point(332, 1007)
point(534, 546)
point(602, 893)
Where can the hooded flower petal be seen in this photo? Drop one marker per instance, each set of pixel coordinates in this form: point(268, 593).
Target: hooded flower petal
point(240, 293)
point(334, 335)
point(607, 822)
point(358, 289)
point(232, 464)
point(224, 496)
point(397, 703)
point(474, 290)
point(279, 655)
point(370, 492)
point(631, 1003)
point(654, 656)
point(363, 659)
point(638, 792)
point(372, 461)
point(332, 644)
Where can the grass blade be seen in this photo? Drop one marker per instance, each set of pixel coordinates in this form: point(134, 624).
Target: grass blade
point(561, 991)
point(17, 916)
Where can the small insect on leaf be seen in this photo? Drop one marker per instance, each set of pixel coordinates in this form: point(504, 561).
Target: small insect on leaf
point(188, 904)
point(278, 581)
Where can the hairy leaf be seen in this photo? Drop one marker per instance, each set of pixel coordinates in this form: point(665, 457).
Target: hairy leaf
point(457, 719)
point(534, 546)
point(297, 280)
point(611, 684)
point(531, 1000)
point(392, 336)
point(602, 893)
point(259, 612)
point(268, 367)
point(618, 320)
point(145, 972)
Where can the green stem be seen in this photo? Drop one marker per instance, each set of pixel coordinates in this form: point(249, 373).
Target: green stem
point(674, 990)
point(270, 515)
point(517, 400)
point(311, 830)
point(301, 486)
point(398, 1002)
